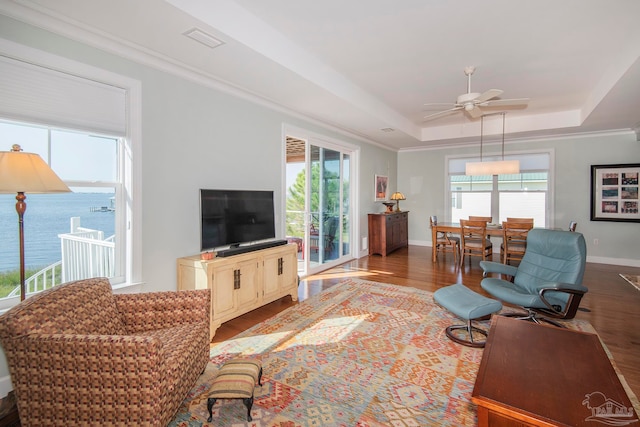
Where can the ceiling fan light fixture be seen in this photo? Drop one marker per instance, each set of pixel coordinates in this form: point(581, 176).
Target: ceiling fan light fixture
point(471, 103)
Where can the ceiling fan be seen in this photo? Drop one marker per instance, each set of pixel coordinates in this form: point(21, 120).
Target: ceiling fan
point(473, 102)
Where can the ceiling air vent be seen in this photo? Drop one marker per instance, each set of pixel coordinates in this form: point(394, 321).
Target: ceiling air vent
point(204, 38)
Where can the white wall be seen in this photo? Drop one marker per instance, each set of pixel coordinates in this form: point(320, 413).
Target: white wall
point(421, 175)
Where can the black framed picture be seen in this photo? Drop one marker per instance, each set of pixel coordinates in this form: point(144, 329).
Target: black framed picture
point(614, 193)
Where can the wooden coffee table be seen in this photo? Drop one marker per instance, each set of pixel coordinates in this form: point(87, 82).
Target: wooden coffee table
point(536, 375)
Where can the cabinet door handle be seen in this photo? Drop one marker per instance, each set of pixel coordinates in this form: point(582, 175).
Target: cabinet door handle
point(236, 279)
point(280, 266)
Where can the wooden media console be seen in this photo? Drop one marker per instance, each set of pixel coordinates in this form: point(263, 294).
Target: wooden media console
point(244, 282)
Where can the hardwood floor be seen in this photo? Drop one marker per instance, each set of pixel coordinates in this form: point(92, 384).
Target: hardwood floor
point(612, 305)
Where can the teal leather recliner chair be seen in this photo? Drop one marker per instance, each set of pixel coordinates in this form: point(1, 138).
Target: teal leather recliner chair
point(548, 279)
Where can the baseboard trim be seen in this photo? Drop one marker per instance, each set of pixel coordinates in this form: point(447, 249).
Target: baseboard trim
point(626, 262)
point(614, 261)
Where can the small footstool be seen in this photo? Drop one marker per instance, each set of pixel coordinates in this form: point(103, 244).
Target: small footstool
point(236, 380)
point(468, 305)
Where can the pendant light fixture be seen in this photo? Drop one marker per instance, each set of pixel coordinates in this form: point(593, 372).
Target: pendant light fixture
point(498, 167)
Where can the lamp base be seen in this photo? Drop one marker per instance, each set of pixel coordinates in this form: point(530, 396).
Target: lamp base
point(21, 208)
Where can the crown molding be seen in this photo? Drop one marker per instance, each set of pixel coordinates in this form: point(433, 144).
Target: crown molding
point(521, 140)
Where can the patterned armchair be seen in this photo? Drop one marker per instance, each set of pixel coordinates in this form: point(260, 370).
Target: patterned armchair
point(80, 355)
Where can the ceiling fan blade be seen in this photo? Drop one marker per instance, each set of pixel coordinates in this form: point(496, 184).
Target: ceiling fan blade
point(440, 106)
point(516, 102)
point(475, 112)
point(490, 94)
point(441, 113)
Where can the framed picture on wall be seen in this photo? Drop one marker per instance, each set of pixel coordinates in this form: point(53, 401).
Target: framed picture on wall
point(614, 193)
point(381, 189)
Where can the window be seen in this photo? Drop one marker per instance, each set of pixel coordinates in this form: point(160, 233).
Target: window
point(85, 123)
point(68, 236)
point(526, 194)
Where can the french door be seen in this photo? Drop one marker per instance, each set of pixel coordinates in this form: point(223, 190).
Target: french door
point(318, 212)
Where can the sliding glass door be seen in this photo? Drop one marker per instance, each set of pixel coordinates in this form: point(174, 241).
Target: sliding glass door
point(318, 212)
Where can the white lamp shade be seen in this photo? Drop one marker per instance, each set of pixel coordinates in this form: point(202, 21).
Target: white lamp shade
point(27, 173)
point(500, 167)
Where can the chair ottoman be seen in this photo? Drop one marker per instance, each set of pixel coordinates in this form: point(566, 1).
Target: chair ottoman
point(468, 305)
point(236, 380)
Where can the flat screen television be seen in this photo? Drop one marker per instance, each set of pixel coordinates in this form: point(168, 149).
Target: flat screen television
point(233, 217)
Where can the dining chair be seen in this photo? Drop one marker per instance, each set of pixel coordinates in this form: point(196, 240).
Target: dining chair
point(473, 240)
point(525, 220)
point(444, 242)
point(514, 240)
point(518, 219)
point(314, 238)
point(486, 219)
point(331, 226)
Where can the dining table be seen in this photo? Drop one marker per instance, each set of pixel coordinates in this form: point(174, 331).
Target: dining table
point(454, 227)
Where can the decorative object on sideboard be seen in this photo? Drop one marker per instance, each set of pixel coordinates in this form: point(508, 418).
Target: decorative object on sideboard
point(389, 206)
point(498, 167)
point(22, 173)
point(397, 196)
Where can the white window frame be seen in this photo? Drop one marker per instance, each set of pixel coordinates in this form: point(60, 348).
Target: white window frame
point(495, 194)
point(131, 146)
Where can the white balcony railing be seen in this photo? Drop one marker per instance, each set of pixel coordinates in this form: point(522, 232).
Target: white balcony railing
point(46, 278)
point(86, 253)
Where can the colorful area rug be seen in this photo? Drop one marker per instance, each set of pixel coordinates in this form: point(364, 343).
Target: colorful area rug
point(359, 354)
point(633, 280)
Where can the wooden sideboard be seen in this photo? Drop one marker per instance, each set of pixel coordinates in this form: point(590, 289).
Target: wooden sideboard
point(244, 282)
point(388, 232)
point(538, 375)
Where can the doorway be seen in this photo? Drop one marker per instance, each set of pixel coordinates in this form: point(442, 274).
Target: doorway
point(318, 202)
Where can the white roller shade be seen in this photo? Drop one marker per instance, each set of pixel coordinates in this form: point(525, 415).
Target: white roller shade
point(37, 94)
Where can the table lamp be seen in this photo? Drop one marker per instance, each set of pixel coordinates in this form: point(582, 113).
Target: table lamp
point(397, 196)
point(26, 173)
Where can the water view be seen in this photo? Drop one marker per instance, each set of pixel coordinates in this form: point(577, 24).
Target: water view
point(48, 215)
